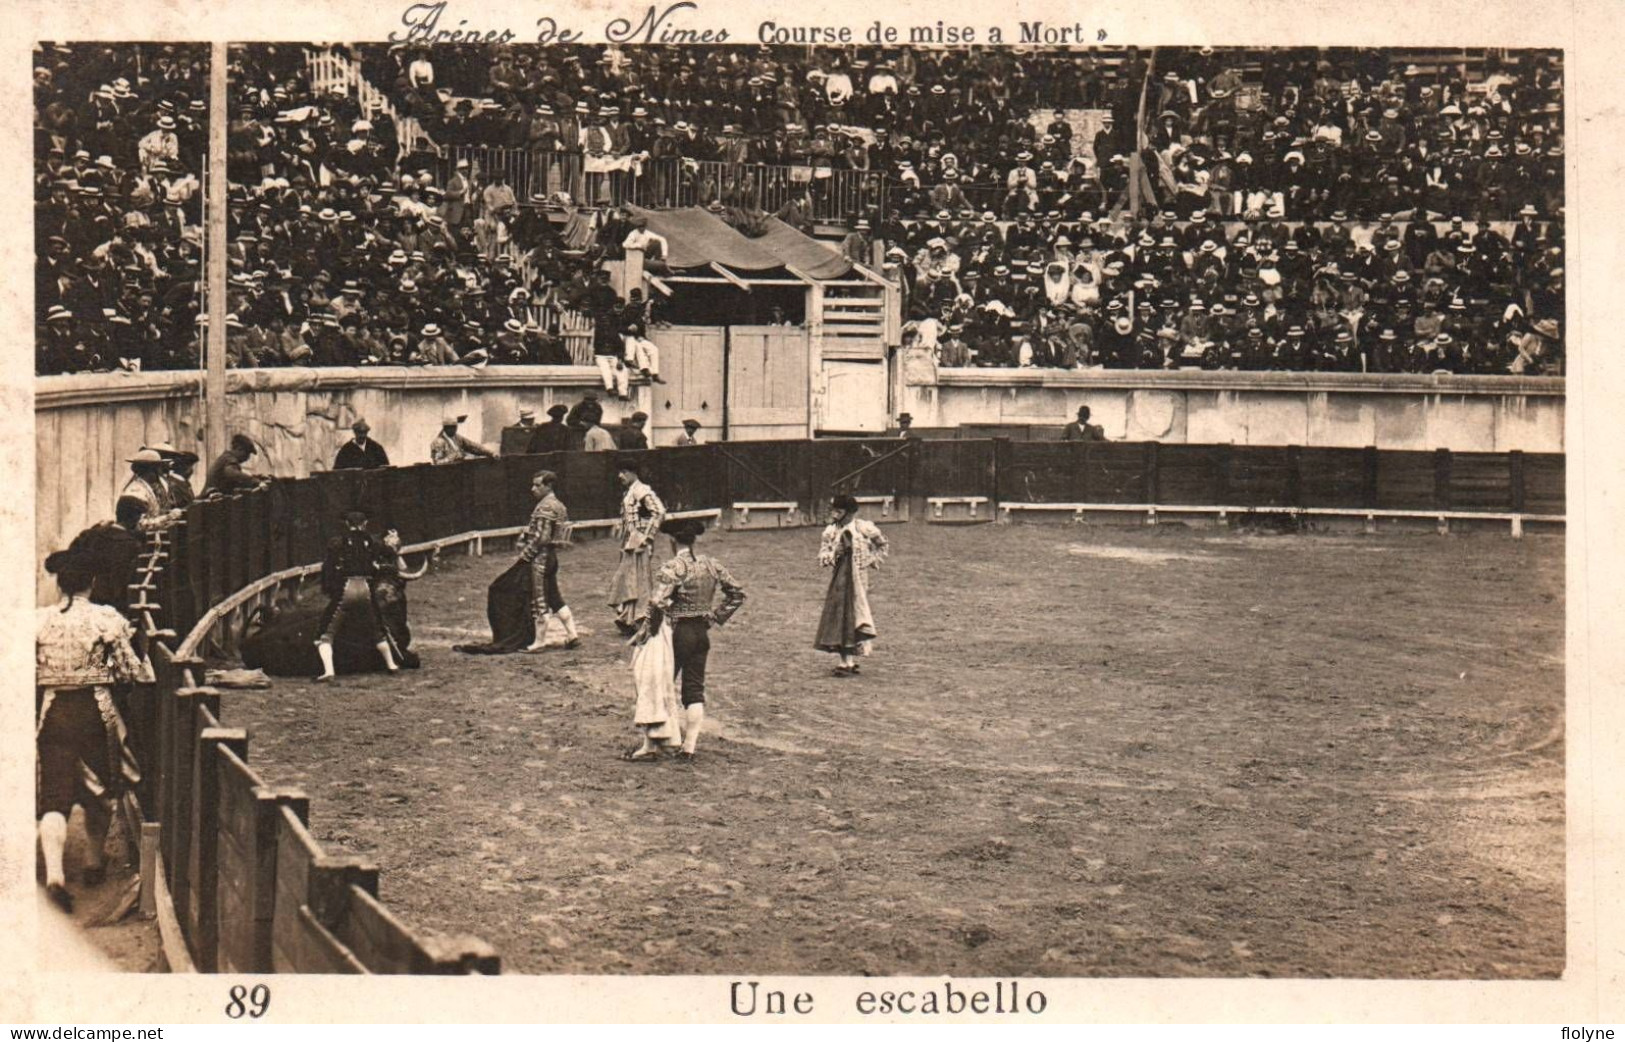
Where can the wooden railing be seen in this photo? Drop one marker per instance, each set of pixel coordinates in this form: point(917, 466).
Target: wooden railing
point(329, 70)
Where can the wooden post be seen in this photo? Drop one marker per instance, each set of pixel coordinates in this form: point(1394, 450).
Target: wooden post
point(632, 273)
point(1294, 475)
point(1003, 452)
point(247, 867)
point(184, 749)
point(202, 910)
point(1373, 464)
point(1078, 456)
point(149, 868)
point(1149, 479)
point(1136, 166)
point(1221, 455)
point(1515, 485)
point(215, 207)
point(815, 359)
point(1443, 495)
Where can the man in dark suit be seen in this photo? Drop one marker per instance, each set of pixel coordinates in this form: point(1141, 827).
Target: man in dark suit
point(554, 435)
point(360, 452)
point(629, 436)
point(1082, 430)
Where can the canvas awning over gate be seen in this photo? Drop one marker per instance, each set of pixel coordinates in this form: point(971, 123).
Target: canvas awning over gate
point(698, 238)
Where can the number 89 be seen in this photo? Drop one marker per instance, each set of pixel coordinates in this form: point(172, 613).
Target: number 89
point(253, 1001)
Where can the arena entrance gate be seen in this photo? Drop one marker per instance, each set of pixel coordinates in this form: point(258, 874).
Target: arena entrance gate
point(748, 382)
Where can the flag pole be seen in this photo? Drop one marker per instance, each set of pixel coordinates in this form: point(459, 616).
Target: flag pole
point(1136, 165)
point(214, 376)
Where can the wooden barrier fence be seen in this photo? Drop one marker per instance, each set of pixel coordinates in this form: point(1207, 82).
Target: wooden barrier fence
point(253, 891)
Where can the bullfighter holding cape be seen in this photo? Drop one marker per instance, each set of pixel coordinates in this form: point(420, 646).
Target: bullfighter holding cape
point(641, 515)
point(851, 546)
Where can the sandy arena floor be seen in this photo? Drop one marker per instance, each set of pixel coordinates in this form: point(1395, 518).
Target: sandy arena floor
point(1076, 752)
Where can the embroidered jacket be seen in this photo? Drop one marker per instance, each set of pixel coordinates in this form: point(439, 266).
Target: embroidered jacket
point(641, 514)
point(86, 646)
point(686, 588)
point(869, 547)
point(549, 526)
point(154, 499)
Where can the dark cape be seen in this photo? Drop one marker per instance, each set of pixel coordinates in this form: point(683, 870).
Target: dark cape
point(507, 606)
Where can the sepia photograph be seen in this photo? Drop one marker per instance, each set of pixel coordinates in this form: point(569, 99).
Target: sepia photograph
point(773, 508)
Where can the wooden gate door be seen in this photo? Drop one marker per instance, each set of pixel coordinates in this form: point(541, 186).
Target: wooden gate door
point(768, 385)
point(691, 363)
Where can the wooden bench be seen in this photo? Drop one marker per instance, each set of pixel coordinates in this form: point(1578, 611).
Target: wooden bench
point(767, 515)
point(957, 509)
point(1079, 512)
point(888, 508)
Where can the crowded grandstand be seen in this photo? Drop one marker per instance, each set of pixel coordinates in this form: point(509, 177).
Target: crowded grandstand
point(1380, 211)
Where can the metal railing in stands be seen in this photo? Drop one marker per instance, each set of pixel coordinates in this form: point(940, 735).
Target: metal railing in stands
point(831, 195)
point(673, 182)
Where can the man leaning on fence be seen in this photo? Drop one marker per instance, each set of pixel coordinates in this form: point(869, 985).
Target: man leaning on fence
point(450, 447)
point(361, 452)
point(227, 477)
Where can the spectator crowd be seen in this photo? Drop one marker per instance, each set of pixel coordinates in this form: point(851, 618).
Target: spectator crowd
point(1373, 210)
point(1381, 296)
point(120, 132)
point(341, 256)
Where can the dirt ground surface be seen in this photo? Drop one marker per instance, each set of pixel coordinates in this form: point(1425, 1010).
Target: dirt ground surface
point(105, 931)
point(1076, 752)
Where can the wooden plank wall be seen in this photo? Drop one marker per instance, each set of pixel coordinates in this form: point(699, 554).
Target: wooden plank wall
point(251, 889)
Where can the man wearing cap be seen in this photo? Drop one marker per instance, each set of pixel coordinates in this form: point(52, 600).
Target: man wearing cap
point(654, 246)
point(608, 344)
point(226, 474)
point(360, 452)
point(629, 437)
point(690, 435)
point(641, 515)
point(450, 447)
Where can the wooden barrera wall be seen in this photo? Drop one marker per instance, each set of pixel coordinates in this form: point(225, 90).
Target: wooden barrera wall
point(251, 888)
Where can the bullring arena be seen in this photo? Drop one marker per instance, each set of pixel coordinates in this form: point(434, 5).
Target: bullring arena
point(1118, 752)
point(1221, 632)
